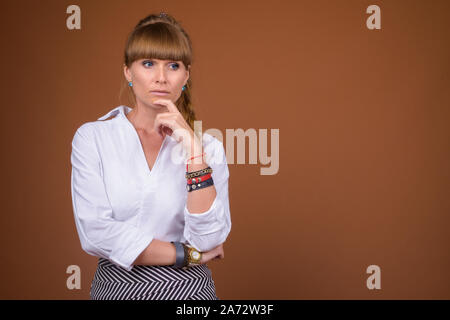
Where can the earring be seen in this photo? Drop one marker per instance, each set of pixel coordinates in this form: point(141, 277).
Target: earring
point(184, 87)
point(130, 83)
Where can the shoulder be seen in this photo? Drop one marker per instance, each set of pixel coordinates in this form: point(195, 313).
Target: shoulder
point(86, 131)
point(89, 132)
point(109, 121)
point(82, 141)
point(86, 128)
point(96, 129)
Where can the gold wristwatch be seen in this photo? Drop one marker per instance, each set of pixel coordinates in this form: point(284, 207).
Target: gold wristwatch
point(193, 255)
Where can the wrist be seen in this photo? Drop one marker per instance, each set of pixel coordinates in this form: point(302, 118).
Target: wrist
point(196, 160)
point(186, 255)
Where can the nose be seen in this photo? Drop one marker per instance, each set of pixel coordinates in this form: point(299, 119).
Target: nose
point(161, 74)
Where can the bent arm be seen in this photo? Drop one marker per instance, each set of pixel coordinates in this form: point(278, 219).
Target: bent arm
point(100, 234)
point(157, 253)
point(207, 211)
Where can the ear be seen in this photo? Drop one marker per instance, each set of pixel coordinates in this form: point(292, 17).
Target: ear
point(126, 72)
point(188, 73)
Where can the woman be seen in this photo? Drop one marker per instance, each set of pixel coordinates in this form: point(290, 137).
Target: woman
point(150, 196)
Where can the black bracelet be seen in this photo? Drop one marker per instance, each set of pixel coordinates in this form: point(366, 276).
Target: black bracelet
point(181, 255)
point(200, 185)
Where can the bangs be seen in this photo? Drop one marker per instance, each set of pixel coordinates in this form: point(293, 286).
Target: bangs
point(158, 41)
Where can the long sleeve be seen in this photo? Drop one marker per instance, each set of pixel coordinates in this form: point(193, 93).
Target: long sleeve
point(100, 234)
point(206, 230)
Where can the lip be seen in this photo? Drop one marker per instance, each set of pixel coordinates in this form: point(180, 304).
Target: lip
point(160, 92)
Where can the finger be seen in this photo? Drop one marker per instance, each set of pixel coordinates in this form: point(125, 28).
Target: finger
point(167, 130)
point(175, 120)
point(161, 122)
point(167, 114)
point(168, 103)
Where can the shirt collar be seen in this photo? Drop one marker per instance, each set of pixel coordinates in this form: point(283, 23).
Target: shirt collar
point(121, 110)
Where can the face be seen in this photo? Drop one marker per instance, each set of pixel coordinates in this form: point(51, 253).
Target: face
point(151, 75)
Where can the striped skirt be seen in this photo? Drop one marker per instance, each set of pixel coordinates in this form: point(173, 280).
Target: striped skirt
point(112, 282)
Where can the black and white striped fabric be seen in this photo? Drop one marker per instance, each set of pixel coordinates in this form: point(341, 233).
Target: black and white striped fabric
point(112, 282)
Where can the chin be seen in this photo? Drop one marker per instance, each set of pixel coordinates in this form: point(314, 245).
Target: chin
point(156, 105)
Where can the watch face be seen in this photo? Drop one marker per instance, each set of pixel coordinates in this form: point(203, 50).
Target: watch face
point(195, 255)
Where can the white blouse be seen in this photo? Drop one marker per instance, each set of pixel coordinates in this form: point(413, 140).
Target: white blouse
point(120, 205)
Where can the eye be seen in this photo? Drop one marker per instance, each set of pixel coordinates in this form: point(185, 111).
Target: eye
point(175, 66)
point(145, 62)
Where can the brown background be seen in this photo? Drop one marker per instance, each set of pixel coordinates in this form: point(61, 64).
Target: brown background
point(364, 140)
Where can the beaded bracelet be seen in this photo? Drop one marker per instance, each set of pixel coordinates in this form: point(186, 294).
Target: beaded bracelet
point(190, 175)
point(201, 185)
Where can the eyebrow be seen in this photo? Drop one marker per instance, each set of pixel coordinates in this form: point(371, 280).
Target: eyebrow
point(158, 60)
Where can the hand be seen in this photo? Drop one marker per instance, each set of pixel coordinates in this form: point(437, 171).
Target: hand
point(174, 124)
point(216, 253)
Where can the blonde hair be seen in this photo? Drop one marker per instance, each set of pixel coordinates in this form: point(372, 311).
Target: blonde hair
point(161, 37)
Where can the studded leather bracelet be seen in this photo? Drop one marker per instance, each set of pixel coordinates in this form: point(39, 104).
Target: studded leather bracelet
point(199, 178)
point(201, 185)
